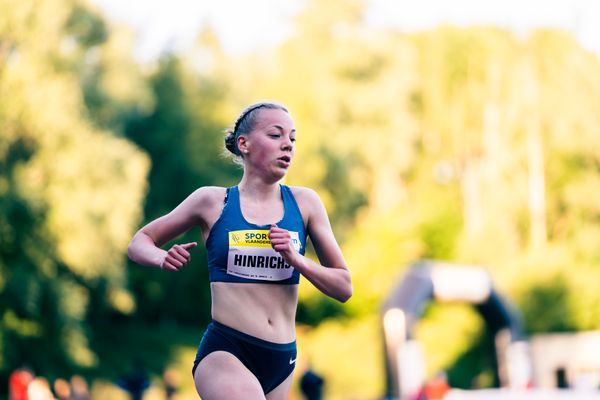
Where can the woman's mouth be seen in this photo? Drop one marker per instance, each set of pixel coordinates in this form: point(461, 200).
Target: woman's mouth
point(284, 161)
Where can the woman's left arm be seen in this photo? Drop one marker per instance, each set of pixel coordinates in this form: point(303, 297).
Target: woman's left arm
point(332, 276)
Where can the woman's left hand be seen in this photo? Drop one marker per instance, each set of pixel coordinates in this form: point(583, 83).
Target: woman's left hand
point(281, 241)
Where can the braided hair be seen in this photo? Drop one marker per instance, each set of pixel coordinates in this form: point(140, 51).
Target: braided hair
point(245, 123)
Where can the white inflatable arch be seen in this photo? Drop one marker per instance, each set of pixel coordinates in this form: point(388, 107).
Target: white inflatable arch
point(427, 281)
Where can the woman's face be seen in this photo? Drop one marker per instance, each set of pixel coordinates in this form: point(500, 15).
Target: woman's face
point(269, 147)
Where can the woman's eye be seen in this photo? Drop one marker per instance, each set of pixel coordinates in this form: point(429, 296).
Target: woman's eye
point(293, 139)
point(274, 135)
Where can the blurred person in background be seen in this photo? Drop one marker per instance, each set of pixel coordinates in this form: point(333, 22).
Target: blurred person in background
point(62, 389)
point(437, 387)
point(18, 381)
point(171, 381)
point(135, 382)
point(39, 389)
point(79, 388)
point(255, 235)
point(311, 383)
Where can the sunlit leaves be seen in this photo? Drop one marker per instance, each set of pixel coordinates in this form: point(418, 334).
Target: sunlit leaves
point(71, 193)
point(420, 145)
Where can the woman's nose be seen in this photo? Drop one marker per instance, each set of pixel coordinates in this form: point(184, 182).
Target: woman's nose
point(287, 144)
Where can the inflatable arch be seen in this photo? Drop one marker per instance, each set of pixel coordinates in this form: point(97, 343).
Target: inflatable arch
point(427, 280)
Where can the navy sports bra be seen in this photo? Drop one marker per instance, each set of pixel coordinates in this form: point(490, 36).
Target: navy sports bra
point(239, 251)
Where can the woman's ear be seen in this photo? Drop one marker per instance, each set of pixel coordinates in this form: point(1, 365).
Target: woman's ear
point(242, 143)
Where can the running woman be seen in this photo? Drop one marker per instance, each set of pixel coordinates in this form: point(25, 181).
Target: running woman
point(255, 235)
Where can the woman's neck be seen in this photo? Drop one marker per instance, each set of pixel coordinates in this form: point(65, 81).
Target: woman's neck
point(258, 189)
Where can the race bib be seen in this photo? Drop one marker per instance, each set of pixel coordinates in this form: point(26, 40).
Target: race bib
point(251, 256)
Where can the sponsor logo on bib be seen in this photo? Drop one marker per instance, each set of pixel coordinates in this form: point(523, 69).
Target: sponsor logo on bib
point(251, 256)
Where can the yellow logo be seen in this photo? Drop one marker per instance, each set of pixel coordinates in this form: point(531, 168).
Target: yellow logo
point(235, 237)
point(249, 238)
point(258, 238)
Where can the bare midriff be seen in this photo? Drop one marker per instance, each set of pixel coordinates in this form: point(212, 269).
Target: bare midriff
point(265, 311)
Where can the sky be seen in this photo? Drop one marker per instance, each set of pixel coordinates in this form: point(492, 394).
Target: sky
point(246, 25)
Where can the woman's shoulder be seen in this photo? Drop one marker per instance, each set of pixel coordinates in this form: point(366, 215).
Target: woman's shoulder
point(310, 204)
point(206, 196)
point(303, 191)
point(305, 196)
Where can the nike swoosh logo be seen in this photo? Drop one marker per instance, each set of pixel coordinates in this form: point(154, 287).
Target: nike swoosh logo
point(292, 361)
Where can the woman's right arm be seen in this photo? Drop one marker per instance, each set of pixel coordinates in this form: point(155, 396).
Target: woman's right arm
point(145, 247)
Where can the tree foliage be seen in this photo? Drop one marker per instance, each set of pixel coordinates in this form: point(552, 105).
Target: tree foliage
point(71, 193)
point(469, 145)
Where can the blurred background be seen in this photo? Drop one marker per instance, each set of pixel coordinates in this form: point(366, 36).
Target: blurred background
point(461, 131)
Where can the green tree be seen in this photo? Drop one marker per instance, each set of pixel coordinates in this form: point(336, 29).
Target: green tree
point(185, 141)
point(70, 193)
